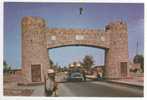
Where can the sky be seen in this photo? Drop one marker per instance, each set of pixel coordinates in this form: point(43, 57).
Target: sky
point(66, 15)
point(66, 55)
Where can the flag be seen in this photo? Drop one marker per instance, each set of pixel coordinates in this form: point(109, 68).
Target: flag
point(81, 10)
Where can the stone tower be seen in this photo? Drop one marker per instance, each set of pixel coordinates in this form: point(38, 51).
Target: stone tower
point(117, 54)
point(34, 52)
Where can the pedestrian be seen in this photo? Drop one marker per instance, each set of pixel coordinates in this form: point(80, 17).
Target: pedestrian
point(55, 86)
point(84, 75)
point(50, 83)
point(101, 74)
point(98, 75)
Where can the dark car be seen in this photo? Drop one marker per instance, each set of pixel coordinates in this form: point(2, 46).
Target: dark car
point(76, 76)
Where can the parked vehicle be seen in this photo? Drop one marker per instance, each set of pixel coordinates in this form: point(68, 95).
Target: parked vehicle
point(76, 76)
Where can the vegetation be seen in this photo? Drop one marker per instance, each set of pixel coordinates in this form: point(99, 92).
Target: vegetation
point(6, 67)
point(57, 67)
point(51, 63)
point(88, 62)
point(139, 59)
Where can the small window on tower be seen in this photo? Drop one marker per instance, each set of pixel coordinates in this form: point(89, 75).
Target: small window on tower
point(107, 27)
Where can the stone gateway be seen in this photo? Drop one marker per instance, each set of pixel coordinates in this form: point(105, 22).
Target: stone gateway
point(37, 38)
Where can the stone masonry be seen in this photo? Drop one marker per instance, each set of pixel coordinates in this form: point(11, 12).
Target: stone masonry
point(37, 39)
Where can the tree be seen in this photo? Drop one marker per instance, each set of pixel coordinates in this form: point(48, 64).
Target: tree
point(51, 63)
point(139, 59)
point(74, 63)
point(6, 67)
point(88, 61)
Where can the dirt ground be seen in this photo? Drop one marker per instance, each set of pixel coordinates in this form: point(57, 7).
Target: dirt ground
point(12, 89)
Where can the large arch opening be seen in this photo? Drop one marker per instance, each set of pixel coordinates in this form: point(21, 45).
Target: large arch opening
point(64, 58)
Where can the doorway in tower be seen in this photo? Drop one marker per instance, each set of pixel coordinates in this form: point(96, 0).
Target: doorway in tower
point(36, 72)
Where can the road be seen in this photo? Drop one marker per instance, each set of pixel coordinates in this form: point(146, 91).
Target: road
point(97, 89)
point(91, 89)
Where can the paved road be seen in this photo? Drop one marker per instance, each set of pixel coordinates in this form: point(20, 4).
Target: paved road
point(97, 89)
point(91, 89)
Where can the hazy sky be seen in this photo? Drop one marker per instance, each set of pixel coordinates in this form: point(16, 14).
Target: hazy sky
point(66, 55)
point(63, 15)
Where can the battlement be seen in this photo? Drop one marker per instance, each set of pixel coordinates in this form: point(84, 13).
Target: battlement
point(31, 22)
point(116, 26)
point(38, 22)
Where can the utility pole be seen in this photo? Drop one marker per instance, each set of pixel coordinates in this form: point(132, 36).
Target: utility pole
point(137, 47)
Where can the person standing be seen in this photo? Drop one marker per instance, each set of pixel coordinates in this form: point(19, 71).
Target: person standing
point(98, 75)
point(55, 85)
point(50, 83)
point(84, 75)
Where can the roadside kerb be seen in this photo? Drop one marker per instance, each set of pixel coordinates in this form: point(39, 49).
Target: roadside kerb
point(125, 83)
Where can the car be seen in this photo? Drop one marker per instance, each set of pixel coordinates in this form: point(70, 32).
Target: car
point(76, 76)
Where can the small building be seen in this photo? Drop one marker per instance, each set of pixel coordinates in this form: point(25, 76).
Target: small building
point(15, 71)
point(75, 66)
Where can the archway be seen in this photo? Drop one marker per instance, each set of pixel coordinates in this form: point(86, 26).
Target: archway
point(37, 39)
